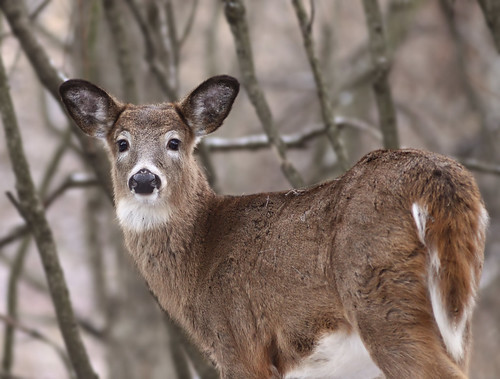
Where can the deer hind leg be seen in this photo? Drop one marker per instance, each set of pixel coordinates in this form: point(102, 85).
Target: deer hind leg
point(403, 349)
point(393, 313)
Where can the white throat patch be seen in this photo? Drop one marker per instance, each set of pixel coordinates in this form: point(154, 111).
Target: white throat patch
point(140, 216)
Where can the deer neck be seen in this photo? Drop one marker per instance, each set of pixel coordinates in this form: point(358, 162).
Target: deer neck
point(167, 254)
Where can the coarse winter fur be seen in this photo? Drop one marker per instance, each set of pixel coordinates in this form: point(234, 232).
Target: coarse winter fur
point(372, 274)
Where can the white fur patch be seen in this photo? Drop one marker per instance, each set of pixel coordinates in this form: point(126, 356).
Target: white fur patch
point(484, 220)
point(420, 215)
point(337, 356)
point(452, 333)
point(142, 213)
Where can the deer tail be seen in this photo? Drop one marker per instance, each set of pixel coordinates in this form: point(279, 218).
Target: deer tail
point(451, 222)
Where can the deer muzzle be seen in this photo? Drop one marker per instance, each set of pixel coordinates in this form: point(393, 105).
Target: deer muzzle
point(144, 182)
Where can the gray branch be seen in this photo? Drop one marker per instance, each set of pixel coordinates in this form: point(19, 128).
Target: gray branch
point(33, 212)
point(151, 56)
point(22, 27)
point(235, 15)
point(332, 130)
point(118, 33)
point(35, 334)
point(292, 141)
point(381, 87)
point(491, 10)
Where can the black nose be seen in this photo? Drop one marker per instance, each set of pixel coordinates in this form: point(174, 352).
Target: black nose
point(144, 182)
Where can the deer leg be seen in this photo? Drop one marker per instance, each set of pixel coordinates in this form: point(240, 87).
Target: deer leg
point(399, 331)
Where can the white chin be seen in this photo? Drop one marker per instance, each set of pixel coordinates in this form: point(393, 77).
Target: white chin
point(142, 213)
point(147, 199)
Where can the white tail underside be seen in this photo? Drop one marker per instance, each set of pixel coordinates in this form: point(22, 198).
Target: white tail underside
point(451, 332)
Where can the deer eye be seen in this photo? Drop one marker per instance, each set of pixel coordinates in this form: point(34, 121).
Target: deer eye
point(122, 145)
point(174, 144)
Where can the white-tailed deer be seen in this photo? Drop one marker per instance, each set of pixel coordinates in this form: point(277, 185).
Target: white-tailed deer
point(373, 274)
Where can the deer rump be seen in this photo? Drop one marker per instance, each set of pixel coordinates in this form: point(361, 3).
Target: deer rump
point(372, 274)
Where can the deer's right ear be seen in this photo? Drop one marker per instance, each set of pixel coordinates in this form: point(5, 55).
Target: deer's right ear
point(206, 107)
point(93, 110)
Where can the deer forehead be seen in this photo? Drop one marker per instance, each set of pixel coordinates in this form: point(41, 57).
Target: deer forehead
point(151, 122)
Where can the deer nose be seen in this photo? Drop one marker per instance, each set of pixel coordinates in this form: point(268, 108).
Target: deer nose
point(144, 182)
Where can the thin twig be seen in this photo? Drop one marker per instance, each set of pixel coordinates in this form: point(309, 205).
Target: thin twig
point(491, 11)
point(332, 131)
point(381, 87)
point(29, 279)
point(12, 296)
point(189, 24)
point(235, 15)
point(5, 375)
point(18, 19)
point(38, 10)
point(173, 43)
point(479, 166)
point(73, 181)
point(114, 18)
point(35, 334)
point(463, 77)
point(18, 263)
point(34, 214)
point(16, 233)
point(292, 141)
point(151, 56)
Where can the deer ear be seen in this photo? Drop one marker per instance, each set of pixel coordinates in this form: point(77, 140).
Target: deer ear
point(93, 110)
point(206, 107)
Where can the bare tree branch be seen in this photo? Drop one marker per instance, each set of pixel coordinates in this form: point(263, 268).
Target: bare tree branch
point(12, 295)
point(292, 141)
point(463, 78)
point(34, 214)
point(332, 131)
point(189, 24)
point(33, 333)
point(381, 87)
point(51, 78)
point(479, 166)
point(235, 15)
point(173, 43)
point(73, 181)
point(151, 55)
point(491, 10)
point(18, 263)
point(118, 33)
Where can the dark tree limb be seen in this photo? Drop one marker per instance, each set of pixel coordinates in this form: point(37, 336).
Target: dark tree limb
point(189, 24)
point(479, 166)
point(151, 56)
point(235, 15)
point(35, 334)
point(12, 296)
point(74, 181)
point(491, 11)
point(292, 141)
point(33, 212)
point(22, 27)
point(18, 263)
point(381, 87)
point(118, 33)
point(332, 131)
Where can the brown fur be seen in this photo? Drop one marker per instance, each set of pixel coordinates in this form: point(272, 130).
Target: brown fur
point(257, 280)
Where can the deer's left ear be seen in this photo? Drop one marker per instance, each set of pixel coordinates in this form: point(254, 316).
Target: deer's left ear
point(93, 110)
point(206, 107)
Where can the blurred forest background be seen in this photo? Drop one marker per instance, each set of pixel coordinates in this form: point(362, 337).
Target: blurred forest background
point(431, 73)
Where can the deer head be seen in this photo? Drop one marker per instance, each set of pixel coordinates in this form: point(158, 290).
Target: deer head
point(150, 146)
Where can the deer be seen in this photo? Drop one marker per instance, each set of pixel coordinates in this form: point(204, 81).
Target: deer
point(373, 274)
